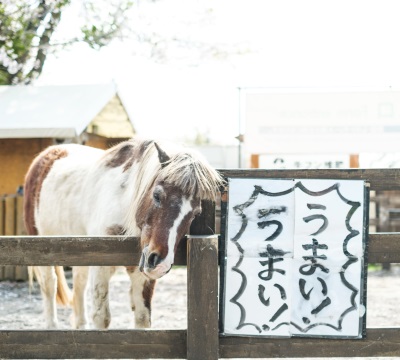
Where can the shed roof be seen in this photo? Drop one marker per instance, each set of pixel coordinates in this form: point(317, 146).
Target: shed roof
point(52, 111)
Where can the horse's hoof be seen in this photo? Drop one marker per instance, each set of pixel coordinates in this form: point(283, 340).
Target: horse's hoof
point(101, 323)
point(52, 325)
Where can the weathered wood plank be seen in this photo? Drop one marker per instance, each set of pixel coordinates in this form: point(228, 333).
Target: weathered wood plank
point(384, 247)
point(9, 230)
point(111, 344)
point(70, 251)
point(9, 220)
point(21, 271)
point(171, 344)
point(117, 250)
point(379, 342)
point(202, 282)
point(2, 215)
point(19, 222)
point(202, 330)
point(380, 179)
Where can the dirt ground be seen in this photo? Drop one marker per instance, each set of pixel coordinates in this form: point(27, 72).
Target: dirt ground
point(21, 310)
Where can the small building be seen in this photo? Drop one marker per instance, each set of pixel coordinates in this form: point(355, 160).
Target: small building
point(321, 128)
point(34, 117)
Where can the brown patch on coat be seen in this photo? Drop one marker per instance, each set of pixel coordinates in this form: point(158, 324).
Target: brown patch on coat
point(35, 176)
point(147, 293)
point(139, 151)
point(115, 230)
point(126, 153)
point(119, 154)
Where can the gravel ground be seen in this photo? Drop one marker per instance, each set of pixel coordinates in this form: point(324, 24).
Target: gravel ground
point(21, 310)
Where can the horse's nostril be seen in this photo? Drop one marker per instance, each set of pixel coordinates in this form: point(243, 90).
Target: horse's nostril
point(153, 260)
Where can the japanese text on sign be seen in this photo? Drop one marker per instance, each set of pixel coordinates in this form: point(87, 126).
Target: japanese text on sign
point(295, 258)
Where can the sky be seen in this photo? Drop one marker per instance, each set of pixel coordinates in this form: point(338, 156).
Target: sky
point(284, 44)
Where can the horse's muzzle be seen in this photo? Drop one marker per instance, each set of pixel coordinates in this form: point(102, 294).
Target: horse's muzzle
point(153, 265)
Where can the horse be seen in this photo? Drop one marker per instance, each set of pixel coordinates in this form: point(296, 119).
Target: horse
point(140, 188)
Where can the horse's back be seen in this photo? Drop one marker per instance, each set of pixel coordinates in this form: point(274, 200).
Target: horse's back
point(54, 176)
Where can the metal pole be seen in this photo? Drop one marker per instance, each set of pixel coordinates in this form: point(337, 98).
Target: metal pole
point(240, 128)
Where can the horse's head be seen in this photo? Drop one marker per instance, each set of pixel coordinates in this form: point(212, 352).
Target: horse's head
point(169, 207)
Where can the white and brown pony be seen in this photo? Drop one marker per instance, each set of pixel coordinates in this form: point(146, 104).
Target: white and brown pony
point(136, 188)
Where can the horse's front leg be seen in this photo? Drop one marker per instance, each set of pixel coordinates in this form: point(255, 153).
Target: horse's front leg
point(99, 285)
point(141, 293)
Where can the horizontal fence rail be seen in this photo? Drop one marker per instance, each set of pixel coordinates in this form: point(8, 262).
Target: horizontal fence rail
point(80, 250)
point(379, 342)
point(119, 250)
point(379, 179)
point(172, 344)
point(92, 344)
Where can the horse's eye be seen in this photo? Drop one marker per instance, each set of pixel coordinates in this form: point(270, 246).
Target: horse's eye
point(157, 198)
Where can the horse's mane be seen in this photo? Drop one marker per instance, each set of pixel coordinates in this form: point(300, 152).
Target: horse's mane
point(190, 172)
point(186, 169)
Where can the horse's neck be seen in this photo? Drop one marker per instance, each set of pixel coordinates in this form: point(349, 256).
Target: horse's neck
point(140, 178)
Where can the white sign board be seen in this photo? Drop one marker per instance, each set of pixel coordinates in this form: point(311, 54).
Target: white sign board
point(303, 161)
point(295, 258)
point(320, 122)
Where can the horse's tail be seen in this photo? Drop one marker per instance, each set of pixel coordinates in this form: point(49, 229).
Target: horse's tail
point(34, 178)
point(64, 295)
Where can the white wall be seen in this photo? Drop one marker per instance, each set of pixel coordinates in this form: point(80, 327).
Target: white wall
point(220, 157)
point(321, 122)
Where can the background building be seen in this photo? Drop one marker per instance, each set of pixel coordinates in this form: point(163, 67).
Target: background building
point(32, 118)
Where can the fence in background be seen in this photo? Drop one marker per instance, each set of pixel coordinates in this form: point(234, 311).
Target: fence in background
point(12, 223)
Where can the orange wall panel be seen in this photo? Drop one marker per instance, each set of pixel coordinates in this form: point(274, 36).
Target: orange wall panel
point(15, 157)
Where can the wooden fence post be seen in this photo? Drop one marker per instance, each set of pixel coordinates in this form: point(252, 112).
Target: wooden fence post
point(12, 223)
point(21, 272)
point(9, 230)
point(202, 329)
point(202, 274)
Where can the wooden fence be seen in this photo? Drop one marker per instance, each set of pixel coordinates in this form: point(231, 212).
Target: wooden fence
point(11, 223)
point(201, 339)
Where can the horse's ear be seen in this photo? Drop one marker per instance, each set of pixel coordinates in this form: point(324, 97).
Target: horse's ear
point(162, 155)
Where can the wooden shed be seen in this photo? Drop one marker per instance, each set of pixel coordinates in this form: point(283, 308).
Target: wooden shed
point(34, 117)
